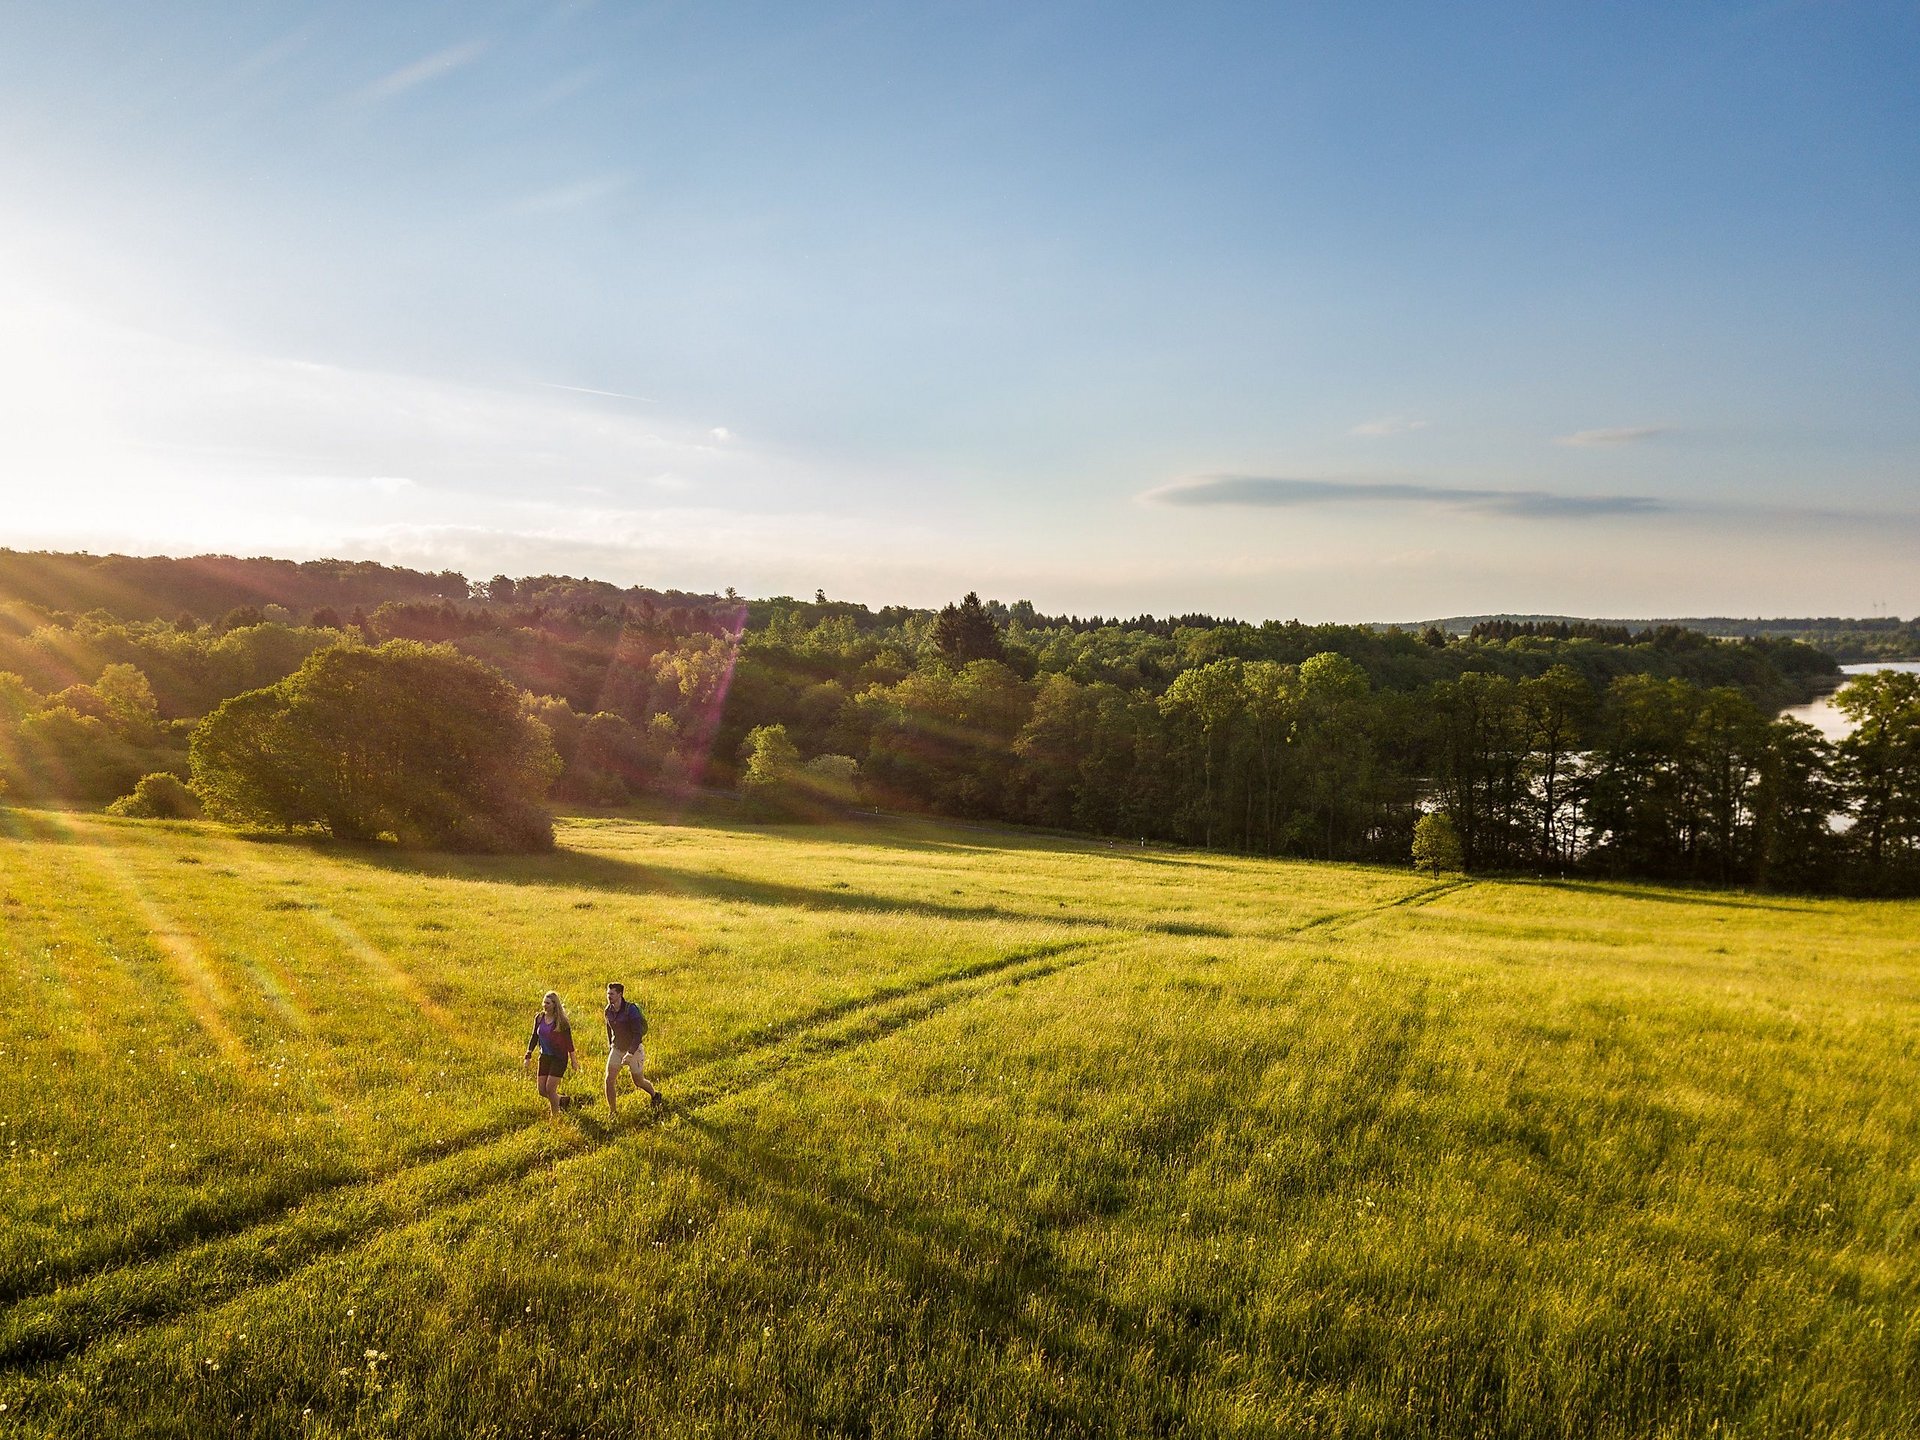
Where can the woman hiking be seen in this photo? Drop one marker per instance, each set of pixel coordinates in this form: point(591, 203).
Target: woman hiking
point(553, 1037)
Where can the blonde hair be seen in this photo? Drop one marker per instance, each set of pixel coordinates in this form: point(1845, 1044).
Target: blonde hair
point(559, 1010)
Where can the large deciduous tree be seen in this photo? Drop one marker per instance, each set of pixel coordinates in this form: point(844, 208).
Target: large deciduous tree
point(1879, 766)
point(419, 742)
point(1204, 705)
point(1337, 750)
point(1483, 752)
point(1559, 709)
point(1794, 802)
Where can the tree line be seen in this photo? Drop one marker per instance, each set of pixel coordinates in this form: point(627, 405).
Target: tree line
point(1598, 750)
point(155, 587)
point(1647, 777)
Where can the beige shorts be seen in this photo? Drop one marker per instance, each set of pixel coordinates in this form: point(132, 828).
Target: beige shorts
point(634, 1060)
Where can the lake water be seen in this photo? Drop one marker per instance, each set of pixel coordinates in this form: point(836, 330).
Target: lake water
point(1825, 716)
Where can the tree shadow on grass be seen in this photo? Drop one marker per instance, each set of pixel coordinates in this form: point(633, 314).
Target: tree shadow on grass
point(577, 870)
point(585, 870)
point(858, 829)
point(46, 825)
point(1717, 900)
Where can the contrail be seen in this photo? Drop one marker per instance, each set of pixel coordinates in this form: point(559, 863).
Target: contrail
point(610, 394)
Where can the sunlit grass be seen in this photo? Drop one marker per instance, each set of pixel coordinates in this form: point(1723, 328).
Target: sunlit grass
point(971, 1135)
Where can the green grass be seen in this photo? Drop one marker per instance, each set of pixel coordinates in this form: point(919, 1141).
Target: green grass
point(971, 1135)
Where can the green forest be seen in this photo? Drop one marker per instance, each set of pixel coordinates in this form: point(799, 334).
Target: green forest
point(1535, 747)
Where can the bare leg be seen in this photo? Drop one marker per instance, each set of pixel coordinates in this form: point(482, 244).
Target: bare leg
point(637, 1063)
point(613, 1076)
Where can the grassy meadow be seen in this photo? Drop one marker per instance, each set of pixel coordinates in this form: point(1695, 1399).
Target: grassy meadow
point(970, 1134)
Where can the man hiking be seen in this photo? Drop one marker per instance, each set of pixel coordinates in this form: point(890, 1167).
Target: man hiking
point(626, 1030)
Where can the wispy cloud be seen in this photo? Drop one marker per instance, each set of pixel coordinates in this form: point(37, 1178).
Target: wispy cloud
point(575, 196)
point(576, 82)
point(584, 390)
point(1388, 425)
point(1623, 435)
point(1273, 492)
point(432, 67)
point(268, 57)
point(387, 484)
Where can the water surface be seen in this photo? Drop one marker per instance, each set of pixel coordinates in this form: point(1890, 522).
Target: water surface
point(1825, 716)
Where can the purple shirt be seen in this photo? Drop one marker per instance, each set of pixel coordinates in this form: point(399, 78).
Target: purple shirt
point(554, 1039)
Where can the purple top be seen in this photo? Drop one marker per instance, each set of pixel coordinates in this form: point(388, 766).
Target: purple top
point(554, 1039)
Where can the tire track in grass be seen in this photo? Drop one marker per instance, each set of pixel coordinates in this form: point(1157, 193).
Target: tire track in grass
point(1413, 899)
point(1430, 894)
point(96, 925)
point(188, 1231)
point(848, 1026)
point(56, 1325)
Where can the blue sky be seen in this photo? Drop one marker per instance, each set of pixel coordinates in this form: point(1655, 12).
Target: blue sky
point(1365, 311)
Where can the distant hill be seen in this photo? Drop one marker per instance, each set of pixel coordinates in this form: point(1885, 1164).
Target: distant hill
point(206, 587)
point(1848, 640)
point(1710, 624)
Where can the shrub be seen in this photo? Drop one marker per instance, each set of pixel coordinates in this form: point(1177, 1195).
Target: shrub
point(159, 796)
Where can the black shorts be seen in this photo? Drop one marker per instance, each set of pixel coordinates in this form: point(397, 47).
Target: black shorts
point(556, 1066)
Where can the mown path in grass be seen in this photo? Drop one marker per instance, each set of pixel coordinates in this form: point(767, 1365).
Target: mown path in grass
point(969, 1136)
